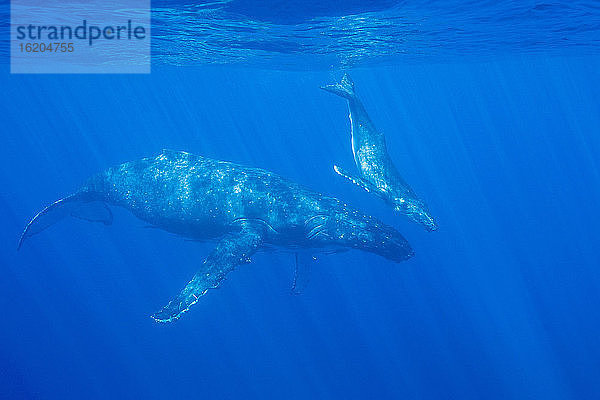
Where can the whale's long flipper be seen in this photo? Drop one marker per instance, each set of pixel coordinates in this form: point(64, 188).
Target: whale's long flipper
point(231, 251)
point(75, 205)
point(357, 181)
point(344, 89)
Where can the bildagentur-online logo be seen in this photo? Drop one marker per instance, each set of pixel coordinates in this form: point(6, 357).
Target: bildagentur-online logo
point(85, 31)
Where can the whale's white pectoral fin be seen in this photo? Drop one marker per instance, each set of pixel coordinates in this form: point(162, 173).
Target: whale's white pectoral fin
point(357, 181)
point(233, 250)
point(304, 262)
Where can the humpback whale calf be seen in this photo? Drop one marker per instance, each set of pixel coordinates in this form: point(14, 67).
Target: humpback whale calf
point(377, 173)
point(244, 209)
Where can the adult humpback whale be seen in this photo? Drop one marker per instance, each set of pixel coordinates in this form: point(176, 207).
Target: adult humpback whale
point(245, 209)
point(377, 173)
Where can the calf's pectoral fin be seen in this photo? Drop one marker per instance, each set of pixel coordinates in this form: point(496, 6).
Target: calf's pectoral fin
point(357, 181)
point(231, 251)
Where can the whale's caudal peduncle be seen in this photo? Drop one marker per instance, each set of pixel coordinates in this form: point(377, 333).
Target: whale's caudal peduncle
point(376, 171)
point(243, 209)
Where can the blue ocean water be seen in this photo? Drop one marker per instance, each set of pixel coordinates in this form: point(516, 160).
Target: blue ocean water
point(497, 129)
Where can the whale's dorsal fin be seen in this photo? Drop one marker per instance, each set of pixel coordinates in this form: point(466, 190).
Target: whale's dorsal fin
point(357, 181)
point(232, 250)
point(304, 262)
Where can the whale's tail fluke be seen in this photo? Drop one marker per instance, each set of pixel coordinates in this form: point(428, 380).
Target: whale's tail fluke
point(77, 205)
point(344, 89)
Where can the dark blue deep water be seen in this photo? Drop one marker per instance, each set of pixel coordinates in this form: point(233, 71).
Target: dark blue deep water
point(491, 113)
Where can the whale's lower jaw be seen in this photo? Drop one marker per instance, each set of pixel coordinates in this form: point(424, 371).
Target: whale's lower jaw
point(416, 211)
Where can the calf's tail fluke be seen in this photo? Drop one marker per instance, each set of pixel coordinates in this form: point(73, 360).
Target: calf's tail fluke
point(344, 89)
point(77, 205)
